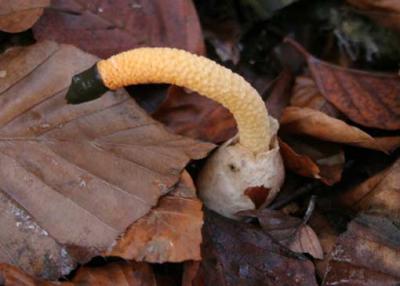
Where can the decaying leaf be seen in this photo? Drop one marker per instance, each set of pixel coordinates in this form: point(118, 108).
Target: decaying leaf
point(306, 94)
point(290, 231)
point(366, 254)
point(171, 232)
point(237, 253)
point(117, 273)
point(313, 158)
point(385, 12)
point(314, 123)
point(380, 194)
point(105, 28)
point(187, 113)
point(370, 99)
point(74, 177)
point(19, 15)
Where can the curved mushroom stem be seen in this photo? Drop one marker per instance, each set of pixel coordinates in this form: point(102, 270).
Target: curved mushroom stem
point(173, 66)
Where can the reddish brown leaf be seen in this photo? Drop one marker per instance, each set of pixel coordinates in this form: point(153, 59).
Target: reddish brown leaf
point(171, 232)
point(319, 125)
point(298, 163)
point(74, 177)
point(187, 113)
point(312, 158)
point(237, 253)
point(369, 99)
point(290, 231)
point(120, 273)
point(106, 27)
point(385, 12)
point(366, 254)
point(380, 193)
point(19, 15)
point(306, 94)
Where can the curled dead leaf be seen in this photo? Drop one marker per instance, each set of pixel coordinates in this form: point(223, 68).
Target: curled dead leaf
point(319, 125)
point(73, 178)
point(313, 158)
point(20, 15)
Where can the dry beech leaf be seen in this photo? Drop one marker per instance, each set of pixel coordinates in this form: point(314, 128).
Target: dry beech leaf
point(380, 194)
point(313, 158)
point(19, 15)
point(366, 254)
point(369, 99)
point(187, 113)
point(314, 123)
point(238, 253)
point(105, 28)
point(306, 94)
point(288, 230)
point(117, 273)
point(171, 232)
point(384, 12)
point(74, 177)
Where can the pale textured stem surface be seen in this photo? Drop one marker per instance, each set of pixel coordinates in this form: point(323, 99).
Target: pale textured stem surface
point(166, 65)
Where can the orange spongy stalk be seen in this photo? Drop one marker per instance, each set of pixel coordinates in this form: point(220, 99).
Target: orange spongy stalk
point(181, 68)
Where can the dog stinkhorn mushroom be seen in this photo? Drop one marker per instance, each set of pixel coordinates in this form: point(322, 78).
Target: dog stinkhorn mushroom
point(248, 161)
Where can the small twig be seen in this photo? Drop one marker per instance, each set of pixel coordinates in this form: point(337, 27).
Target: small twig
point(296, 194)
point(310, 209)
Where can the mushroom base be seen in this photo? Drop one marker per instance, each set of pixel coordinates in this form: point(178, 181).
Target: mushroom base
point(232, 170)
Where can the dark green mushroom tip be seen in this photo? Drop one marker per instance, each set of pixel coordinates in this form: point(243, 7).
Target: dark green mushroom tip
point(86, 86)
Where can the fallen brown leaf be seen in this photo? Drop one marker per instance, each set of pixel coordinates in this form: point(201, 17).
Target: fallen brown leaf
point(105, 28)
point(171, 232)
point(380, 194)
point(74, 177)
point(113, 274)
point(19, 15)
point(237, 253)
point(384, 12)
point(306, 94)
point(366, 254)
point(319, 125)
point(370, 99)
point(289, 231)
point(187, 113)
point(312, 158)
